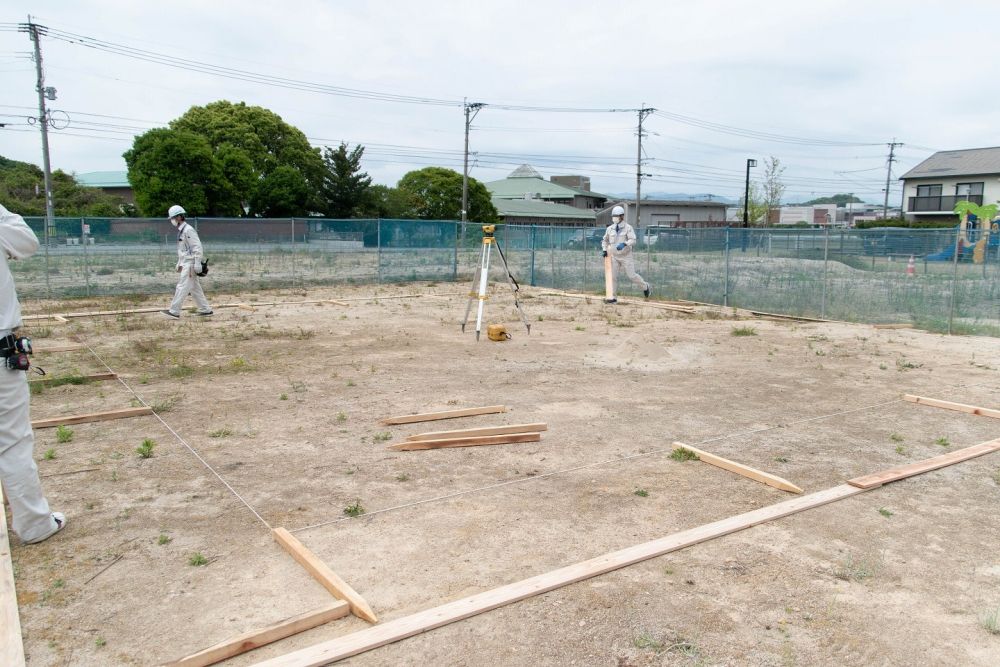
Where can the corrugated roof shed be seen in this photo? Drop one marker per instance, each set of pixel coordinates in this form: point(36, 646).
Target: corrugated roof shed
point(103, 179)
point(541, 209)
point(968, 162)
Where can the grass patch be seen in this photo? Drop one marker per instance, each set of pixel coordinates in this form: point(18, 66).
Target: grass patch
point(884, 512)
point(197, 559)
point(341, 417)
point(743, 331)
point(902, 451)
point(402, 477)
point(642, 493)
point(781, 459)
point(64, 434)
point(72, 378)
point(683, 454)
point(49, 454)
point(181, 371)
point(943, 441)
point(990, 621)
point(382, 436)
point(858, 568)
point(163, 539)
point(354, 509)
point(145, 450)
point(895, 437)
point(221, 433)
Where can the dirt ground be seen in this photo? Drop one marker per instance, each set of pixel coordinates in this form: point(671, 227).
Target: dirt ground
point(283, 402)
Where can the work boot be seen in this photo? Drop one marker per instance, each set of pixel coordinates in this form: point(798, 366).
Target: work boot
point(170, 313)
point(611, 301)
point(645, 292)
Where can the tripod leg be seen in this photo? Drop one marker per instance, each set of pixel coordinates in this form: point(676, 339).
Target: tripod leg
point(484, 275)
point(472, 291)
point(514, 288)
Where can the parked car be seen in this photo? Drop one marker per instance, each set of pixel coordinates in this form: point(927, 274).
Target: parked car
point(590, 237)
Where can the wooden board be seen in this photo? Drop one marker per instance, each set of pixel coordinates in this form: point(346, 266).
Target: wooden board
point(904, 471)
point(91, 417)
point(948, 405)
point(257, 638)
point(11, 648)
point(447, 414)
point(407, 626)
point(609, 278)
point(740, 469)
point(486, 430)
point(324, 575)
point(506, 439)
point(84, 378)
point(782, 316)
point(893, 325)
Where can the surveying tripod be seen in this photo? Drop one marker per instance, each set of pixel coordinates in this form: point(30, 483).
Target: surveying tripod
point(482, 279)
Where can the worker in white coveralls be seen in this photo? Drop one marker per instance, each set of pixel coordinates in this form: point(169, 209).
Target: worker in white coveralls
point(619, 238)
point(32, 519)
point(189, 258)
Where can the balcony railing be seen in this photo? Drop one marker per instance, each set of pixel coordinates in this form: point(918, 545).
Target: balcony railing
point(944, 203)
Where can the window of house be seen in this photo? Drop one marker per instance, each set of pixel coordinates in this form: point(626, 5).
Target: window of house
point(928, 190)
point(968, 189)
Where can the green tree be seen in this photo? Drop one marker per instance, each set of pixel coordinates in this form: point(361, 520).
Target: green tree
point(22, 186)
point(382, 201)
point(345, 186)
point(772, 189)
point(838, 199)
point(758, 207)
point(437, 195)
point(220, 157)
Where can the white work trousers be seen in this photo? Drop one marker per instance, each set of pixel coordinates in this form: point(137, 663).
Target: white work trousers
point(189, 284)
point(626, 262)
point(22, 488)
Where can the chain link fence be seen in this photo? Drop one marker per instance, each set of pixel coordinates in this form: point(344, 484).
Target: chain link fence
point(852, 275)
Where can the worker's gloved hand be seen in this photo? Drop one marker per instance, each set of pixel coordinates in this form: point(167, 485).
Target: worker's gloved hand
point(620, 247)
point(604, 254)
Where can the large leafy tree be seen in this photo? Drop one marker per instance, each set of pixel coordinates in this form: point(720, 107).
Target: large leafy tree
point(437, 195)
point(22, 191)
point(254, 159)
point(345, 186)
point(382, 201)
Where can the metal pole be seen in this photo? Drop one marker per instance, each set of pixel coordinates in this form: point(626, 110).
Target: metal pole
point(954, 277)
point(471, 111)
point(83, 240)
point(643, 112)
point(826, 255)
point(725, 293)
point(888, 176)
point(43, 122)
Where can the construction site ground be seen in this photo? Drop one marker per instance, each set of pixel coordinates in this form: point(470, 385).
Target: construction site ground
point(284, 403)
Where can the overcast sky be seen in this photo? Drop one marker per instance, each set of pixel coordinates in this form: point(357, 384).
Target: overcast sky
point(828, 73)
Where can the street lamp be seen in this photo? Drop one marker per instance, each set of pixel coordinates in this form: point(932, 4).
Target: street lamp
point(746, 194)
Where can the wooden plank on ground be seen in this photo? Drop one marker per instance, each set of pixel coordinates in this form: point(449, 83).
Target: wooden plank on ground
point(82, 379)
point(485, 430)
point(909, 470)
point(948, 405)
point(11, 647)
point(893, 325)
point(324, 575)
point(257, 638)
point(740, 469)
point(504, 439)
point(423, 621)
point(782, 316)
point(446, 414)
point(407, 626)
point(91, 417)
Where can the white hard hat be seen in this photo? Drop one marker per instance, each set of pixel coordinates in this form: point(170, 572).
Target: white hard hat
point(176, 210)
point(617, 210)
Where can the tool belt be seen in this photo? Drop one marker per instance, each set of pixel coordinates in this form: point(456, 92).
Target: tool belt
point(15, 350)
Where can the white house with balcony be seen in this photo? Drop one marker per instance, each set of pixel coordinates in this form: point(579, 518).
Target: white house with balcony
point(931, 189)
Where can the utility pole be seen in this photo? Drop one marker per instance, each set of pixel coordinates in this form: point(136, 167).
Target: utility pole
point(888, 176)
point(471, 111)
point(34, 30)
point(643, 111)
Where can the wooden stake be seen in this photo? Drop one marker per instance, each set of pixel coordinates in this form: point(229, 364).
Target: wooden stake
point(82, 378)
point(423, 621)
point(257, 638)
point(904, 471)
point(948, 405)
point(91, 417)
point(740, 469)
point(486, 430)
point(59, 348)
point(411, 445)
point(11, 648)
point(324, 575)
point(447, 414)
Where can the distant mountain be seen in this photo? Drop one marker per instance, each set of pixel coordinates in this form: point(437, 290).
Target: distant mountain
point(677, 196)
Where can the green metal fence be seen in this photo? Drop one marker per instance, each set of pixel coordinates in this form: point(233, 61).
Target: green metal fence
point(853, 275)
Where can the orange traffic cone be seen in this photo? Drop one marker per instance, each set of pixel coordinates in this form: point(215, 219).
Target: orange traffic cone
point(911, 267)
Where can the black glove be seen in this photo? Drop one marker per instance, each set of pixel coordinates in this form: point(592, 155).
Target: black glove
point(604, 254)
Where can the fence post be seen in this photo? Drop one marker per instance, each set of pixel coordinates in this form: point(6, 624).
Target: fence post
point(532, 277)
point(292, 220)
point(83, 240)
point(454, 264)
point(552, 257)
point(954, 278)
point(826, 255)
point(725, 292)
point(378, 250)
